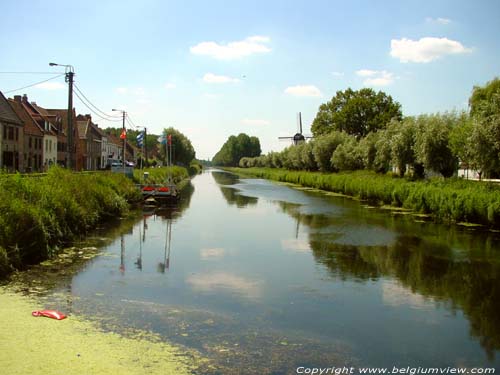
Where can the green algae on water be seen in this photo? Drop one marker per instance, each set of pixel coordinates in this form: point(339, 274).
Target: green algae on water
point(75, 346)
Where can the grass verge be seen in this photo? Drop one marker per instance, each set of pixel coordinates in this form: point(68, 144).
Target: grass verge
point(447, 200)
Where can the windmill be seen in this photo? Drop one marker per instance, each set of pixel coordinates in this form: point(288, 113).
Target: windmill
point(298, 137)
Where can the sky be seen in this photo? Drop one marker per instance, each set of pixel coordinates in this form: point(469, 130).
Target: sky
point(212, 69)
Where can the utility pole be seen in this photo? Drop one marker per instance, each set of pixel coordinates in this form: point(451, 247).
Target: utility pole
point(69, 79)
point(146, 147)
point(70, 73)
point(124, 140)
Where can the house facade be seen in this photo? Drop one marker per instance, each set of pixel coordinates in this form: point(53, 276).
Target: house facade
point(90, 143)
point(33, 138)
point(12, 138)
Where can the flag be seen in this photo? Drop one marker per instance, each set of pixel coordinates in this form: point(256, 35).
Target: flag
point(140, 139)
point(162, 139)
point(169, 139)
point(124, 134)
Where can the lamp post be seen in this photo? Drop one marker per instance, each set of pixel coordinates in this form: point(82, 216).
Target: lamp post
point(70, 72)
point(125, 137)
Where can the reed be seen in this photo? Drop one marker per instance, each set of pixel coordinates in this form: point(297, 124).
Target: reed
point(38, 215)
point(447, 200)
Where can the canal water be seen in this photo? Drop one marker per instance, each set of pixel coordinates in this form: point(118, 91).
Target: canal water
point(263, 278)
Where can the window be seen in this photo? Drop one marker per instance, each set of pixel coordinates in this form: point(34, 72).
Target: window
point(17, 134)
point(30, 143)
point(10, 133)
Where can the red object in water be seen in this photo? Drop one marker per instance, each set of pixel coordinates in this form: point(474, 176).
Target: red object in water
point(148, 188)
point(164, 189)
point(49, 314)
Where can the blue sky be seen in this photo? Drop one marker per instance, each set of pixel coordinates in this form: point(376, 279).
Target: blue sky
point(216, 68)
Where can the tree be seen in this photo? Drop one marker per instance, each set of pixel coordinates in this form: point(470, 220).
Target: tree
point(347, 156)
point(432, 148)
point(356, 112)
point(485, 136)
point(182, 149)
point(482, 100)
point(402, 141)
point(323, 148)
point(235, 148)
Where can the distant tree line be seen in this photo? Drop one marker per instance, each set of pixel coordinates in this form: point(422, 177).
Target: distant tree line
point(235, 148)
point(366, 130)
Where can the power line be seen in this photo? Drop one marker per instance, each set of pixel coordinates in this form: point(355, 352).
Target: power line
point(131, 122)
point(94, 106)
point(34, 84)
point(31, 73)
point(93, 111)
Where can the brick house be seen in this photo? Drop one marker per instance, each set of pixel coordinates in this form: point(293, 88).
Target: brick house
point(33, 138)
point(47, 123)
point(89, 139)
point(11, 138)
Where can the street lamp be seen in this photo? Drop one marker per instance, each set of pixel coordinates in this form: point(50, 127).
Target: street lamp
point(125, 138)
point(70, 72)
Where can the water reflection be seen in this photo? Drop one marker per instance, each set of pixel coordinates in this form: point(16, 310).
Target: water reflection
point(231, 195)
point(426, 267)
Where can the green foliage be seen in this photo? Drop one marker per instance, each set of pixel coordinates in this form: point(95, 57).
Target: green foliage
point(401, 136)
point(432, 148)
point(484, 100)
point(324, 147)
point(160, 175)
point(348, 156)
point(182, 149)
point(38, 214)
point(356, 112)
point(235, 148)
point(451, 200)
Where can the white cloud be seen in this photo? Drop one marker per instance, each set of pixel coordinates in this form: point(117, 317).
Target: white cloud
point(217, 252)
point(225, 281)
point(213, 78)
point(425, 50)
point(232, 50)
point(439, 20)
point(122, 90)
point(300, 245)
point(255, 122)
point(140, 91)
point(366, 72)
point(376, 77)
point(170, 85)
point(303, 90)
point(337, 74)
point(50, 86)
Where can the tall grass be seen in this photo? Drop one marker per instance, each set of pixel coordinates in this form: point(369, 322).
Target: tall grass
point(37, 215)
point(450, 200)
point(160, 175)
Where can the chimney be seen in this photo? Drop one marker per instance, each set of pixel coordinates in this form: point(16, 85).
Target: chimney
point(25, 98)
point(17, 98)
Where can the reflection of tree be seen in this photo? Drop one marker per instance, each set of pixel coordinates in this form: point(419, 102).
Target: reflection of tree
point(424, 264)
point(428, 269)
point(231, 195)
point(225, 178)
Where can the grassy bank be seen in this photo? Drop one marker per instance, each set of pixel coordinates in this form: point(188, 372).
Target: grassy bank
point(38, 215)
point(450, 200)
point(74, 346)
point(160, 175)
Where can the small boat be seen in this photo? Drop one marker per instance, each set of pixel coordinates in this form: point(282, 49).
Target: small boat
point(158, 192)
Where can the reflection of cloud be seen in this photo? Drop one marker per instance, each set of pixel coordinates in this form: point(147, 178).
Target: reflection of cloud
point(212, 253)
point(224, 281)
point(296, 244)
point(395, 295)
